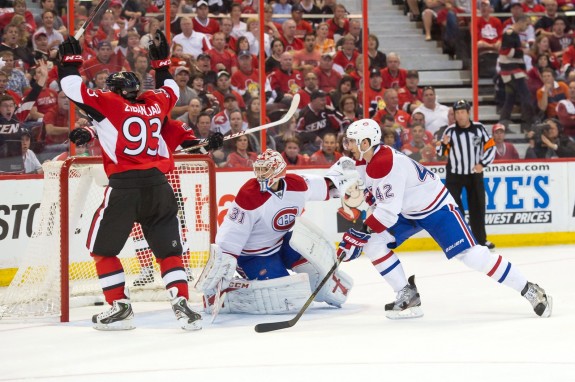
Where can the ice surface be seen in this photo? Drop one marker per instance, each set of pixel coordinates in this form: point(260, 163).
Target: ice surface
point(473, 330)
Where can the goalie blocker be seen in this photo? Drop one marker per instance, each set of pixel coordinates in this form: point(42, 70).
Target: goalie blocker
point(279, 295)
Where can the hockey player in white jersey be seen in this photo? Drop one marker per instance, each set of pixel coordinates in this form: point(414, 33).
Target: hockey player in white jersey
point(260, 236)
point(406, 198)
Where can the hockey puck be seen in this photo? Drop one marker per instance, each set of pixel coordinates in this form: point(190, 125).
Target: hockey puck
point(98, 303)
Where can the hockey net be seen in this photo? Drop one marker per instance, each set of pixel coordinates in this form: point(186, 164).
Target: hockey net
point(57, 272)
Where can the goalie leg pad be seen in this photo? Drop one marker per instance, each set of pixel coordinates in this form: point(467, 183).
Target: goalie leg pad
point(308, 240)
point(275, 296)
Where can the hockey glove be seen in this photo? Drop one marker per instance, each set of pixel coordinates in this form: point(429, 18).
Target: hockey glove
point(70, 52)
point(159, 51)
point(352, 243)
point(215, 142)
point(81, 135)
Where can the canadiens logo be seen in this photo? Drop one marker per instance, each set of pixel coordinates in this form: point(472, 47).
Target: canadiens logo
point(284, 219)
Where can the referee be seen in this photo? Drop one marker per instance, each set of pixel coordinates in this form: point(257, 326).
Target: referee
point(469, 149)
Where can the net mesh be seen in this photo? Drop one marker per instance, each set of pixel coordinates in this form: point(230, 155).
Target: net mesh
point(35, 289)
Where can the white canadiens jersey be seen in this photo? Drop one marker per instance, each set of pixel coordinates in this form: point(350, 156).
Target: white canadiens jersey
point(400, 186)
point(257, 222)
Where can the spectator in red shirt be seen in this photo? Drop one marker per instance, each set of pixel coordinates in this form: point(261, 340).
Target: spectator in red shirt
point(327, 76)
point(308, 55)
point(221, 58)
point(393, 76)
point(503, 150)
point(327, 155)
point(391, 100)
point(284, 81)
point(347, 56)
point(566, 112)
point(303, 27)
point(339, 24)
point(311, 85)
point(245, 81)
point(375, 92)
point(202, 23)
point(291, 153)
point(57, 126)
point(226, 28)
point(291, 42)
point(19, 9)
point(489, 29)
point(105, 59)
point(47, 100)
point(411, 95)
point(223, 88)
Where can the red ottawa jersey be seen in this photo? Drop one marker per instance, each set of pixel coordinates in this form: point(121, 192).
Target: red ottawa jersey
point(393, 81)
point(129, 133)
point(286, 82)
point(246, 83)
point(175, 132)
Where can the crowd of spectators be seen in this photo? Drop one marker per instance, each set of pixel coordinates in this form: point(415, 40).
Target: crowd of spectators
point(311, 47)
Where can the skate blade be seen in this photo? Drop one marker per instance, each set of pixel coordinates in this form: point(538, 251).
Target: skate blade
point(413, 312)
point(115, 326)
point(190, 326)
point(548, 310)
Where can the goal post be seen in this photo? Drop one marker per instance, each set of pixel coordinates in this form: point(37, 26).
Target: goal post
point(56, 271)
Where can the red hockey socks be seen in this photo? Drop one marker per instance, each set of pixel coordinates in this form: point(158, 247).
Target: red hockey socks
point(174, 275)
point(112, 278)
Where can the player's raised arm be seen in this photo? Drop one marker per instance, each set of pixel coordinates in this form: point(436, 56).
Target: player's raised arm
point(159, 53)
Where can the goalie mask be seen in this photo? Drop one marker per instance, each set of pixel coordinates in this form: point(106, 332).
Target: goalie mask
point(269, 168)
point(363, 129)
point(125, 84)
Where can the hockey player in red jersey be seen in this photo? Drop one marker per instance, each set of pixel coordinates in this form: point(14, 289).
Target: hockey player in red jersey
point(405, 198)
point(135, 157)
point(261, 236)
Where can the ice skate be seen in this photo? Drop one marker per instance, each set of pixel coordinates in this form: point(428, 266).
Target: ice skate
point(146, 276)
point(407, 304)
point(541, 302)
point(118, 317)
point(188, 319)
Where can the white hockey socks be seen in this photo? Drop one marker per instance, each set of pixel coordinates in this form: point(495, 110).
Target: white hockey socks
point(493, 265)
point(390, 268)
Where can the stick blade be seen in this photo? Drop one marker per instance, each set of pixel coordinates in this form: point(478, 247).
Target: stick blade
point(271, 326)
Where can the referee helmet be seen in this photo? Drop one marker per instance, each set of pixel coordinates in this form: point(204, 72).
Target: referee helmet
point(461, 105)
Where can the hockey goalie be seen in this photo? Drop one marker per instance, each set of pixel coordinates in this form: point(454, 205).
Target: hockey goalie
point(261, 238)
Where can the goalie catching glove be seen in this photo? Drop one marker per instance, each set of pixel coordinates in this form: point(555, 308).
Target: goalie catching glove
point(159, 51)
point(352, 244)
point(81, 135)
point(70, 52)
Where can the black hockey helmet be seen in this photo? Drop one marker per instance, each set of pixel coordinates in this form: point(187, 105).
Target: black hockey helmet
point(125, 84)
point(461, 105)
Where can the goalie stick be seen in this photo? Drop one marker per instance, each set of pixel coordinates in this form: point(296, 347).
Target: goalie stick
point(101, 5)
point(288, 115)
point(271, 326)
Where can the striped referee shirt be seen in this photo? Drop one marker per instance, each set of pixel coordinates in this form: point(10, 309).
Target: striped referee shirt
point(467, 147)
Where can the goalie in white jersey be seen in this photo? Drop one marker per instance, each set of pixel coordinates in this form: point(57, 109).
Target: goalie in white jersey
point(405, 198)
point(260, 236)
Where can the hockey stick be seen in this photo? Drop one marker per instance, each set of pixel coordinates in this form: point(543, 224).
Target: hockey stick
point(101, 5)
point(271, 326)
point(288, 115)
